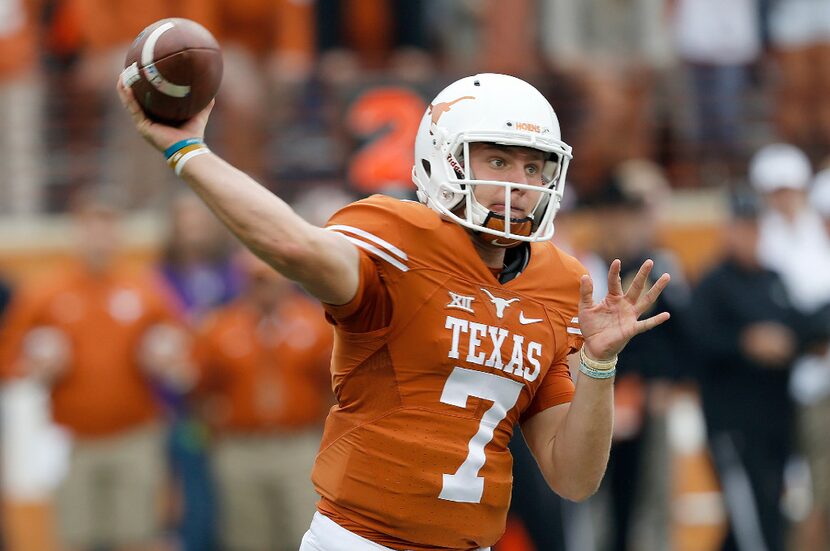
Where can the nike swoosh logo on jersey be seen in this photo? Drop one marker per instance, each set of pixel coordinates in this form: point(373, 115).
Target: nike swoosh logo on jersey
point(526, 321)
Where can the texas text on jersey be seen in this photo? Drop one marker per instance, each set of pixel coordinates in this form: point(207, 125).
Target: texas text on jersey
point(434, 363)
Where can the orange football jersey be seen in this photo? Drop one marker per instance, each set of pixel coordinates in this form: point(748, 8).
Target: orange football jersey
point(104, 390)
point(414, 454)
point(261, 373)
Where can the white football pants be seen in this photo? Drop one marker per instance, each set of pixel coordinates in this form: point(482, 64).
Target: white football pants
point(326, 535)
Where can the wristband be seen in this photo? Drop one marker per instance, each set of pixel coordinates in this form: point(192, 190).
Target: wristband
point(170, 151)
point(597, 369)
point(178, 155)
point(180, 161)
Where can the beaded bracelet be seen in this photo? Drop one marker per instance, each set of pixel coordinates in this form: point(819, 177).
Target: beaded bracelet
point(597, 369)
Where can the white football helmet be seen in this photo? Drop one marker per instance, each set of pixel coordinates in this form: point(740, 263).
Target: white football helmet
point(498, 109)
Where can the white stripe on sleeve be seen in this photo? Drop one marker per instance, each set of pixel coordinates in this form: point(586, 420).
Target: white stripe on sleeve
point(377, 252)
point(389, 247)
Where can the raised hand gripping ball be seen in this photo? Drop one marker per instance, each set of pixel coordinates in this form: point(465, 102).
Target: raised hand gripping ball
point(174, 68)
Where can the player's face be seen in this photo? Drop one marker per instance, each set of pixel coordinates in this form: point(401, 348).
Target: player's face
point(519, 165)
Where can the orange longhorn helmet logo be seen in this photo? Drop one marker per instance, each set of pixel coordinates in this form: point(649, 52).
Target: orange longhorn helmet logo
point(440, 108)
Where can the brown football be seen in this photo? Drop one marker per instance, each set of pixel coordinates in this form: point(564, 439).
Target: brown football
point(174, 67)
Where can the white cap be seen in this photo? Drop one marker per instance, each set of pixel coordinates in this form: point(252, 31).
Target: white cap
point(778, 166)
point(820, 193)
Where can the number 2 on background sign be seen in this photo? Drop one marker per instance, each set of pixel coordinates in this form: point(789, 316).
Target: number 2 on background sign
point(390, 116)
point(465, 486)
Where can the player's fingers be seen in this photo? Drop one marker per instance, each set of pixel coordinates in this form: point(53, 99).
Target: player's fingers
point(586, 292)
point(204, 114)
point(122, 92)
point(196, 125)
point(636, 288)
point(652, 322)
point(127, 98)
point(614, 281)
point(651, 296)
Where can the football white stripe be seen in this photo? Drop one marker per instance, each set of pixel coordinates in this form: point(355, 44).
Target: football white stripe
point(574, 331)
point(153, 76)
point(130, 75)
point(377, 252)
point(574, 320)
point(373, 238)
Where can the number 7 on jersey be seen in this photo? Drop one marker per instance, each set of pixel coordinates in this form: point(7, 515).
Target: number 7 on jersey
point(465, 486)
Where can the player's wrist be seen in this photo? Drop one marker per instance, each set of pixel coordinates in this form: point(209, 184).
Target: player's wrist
point(597, 369)
point(179, 153)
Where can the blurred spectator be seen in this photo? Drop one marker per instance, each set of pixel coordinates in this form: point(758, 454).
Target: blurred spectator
point(810, 386)
point(800, 38)
point(456, 28)
point(264, 388)
point(792, 240)
point(5, 297)
point(509, 38)
point(359, 36)
point(616, 51)
point(268, 48)
point(819, 198)
point(717, 53)
point(196, 263)
point(746, 335)
point(21, 110)
point(96, 335)
point(586, 34)
point(629, 216)
point(196, 259)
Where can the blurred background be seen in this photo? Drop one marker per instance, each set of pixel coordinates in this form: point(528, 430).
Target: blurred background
point(162, 391)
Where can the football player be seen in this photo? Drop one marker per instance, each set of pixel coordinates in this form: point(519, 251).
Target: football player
point(454, 318)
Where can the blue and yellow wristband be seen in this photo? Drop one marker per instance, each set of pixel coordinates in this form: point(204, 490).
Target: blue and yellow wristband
point(182, 151)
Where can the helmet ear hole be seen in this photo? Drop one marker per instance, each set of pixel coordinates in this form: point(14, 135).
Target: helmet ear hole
point(427, 167)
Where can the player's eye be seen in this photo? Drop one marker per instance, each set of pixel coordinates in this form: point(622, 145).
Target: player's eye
point(497, 162)
point(534, 170)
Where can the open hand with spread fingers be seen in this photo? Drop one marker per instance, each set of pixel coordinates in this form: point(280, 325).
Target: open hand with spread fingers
point(607, 326)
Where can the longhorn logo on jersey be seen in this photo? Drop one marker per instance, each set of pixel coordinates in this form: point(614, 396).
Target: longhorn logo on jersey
point(501, 304)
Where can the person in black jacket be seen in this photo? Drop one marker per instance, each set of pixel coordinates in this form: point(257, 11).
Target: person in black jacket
point(746, 333)
point(628, 215)
point(5, 296)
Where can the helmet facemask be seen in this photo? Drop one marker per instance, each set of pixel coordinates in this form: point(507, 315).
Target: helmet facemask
point(466, 210)
point(499, 110)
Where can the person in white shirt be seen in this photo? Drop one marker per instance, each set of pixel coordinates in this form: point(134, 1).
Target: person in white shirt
point(795, 242)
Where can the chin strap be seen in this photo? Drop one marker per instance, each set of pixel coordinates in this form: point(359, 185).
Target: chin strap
point(497, 222)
